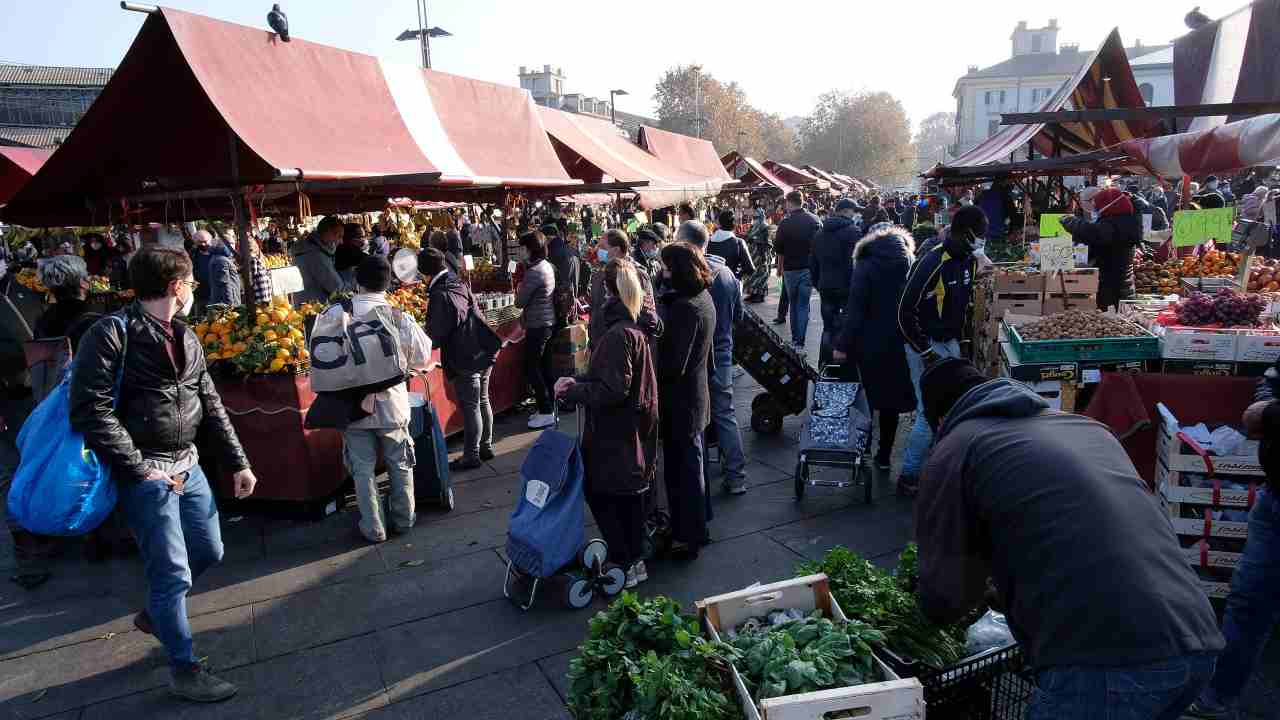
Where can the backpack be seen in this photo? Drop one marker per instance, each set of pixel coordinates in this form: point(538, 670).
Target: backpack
point(350, 352)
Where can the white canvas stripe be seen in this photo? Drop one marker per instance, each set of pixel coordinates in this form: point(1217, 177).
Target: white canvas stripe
point(1224, 65)
point(1164, 156)
point(1260, 140)
point(408, 86)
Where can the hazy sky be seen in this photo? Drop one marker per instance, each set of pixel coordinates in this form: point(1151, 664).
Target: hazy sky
point(785, 54)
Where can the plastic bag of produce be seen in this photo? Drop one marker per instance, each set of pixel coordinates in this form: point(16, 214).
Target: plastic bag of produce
point(991, 631)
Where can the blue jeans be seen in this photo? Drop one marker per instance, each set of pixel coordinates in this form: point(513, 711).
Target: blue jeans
point(1156, 691)
point(832, 305)
point(178, 538)
point(1253, 607)
point(798, 286)
point(921, 438)
point(725, 420)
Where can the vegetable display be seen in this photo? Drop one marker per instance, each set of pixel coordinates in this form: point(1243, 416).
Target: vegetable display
point(884, 601)
point(785, 656)
point(1077, 324)
point(645, 660)
point(1226, 308)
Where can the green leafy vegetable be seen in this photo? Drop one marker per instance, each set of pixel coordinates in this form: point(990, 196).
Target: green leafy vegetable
point(646, 658)
point(805, 655)
point(887, 602)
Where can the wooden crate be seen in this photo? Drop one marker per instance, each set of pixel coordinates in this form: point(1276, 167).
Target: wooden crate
point(892, 699)
point(1056, 302)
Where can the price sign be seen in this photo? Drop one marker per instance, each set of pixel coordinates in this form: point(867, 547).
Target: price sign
point(1057, 254)
point(1194, 227)
point(468, 262)
point(511, 267)
point(286, 280)
point(1051, 225)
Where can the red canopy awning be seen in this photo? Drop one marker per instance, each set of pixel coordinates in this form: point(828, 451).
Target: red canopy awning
point(1230, 60)
point(1105, 81)
point(1221, 149)
point(17, 165)
point(836, 183)
point(795, 175)
point(191, 86)
point(593, 151)
point(749, 171)
point(693, 155)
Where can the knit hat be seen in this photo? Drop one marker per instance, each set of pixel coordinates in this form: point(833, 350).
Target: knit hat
point(945, 383)
point(1112, 201)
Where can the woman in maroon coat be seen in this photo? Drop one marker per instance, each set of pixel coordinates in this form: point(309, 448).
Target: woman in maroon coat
point(620, 438)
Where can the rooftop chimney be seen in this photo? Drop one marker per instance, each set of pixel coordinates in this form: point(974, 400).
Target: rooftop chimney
point(523, 70)
point(1022, 24)
point(1053, 23)
point(972, 69)
point(1137, 43)
point(1070, 48)
point(546, 68)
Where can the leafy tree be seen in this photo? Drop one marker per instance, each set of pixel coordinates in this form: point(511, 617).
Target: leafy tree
point(865, 134)
point(937, 134)
point(691, 101)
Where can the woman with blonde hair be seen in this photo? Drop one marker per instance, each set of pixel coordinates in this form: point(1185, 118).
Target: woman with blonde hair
point(619, 393)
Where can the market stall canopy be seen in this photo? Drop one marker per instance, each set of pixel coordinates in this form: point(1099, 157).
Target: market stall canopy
point(1230, 60)
point(750, 172)
point(1221, 149)
point(17, 165)
point(593, 151)
point(192, 89)
point(795, 175)
point(836, 183)
point(1104, 81)
point(693, 155)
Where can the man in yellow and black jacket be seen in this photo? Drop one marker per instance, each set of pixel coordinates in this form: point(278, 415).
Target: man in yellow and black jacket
point(931, 318)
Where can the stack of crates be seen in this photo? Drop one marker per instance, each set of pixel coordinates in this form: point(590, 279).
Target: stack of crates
point(1007, 289)
point(1208, 498)
point(569, 351)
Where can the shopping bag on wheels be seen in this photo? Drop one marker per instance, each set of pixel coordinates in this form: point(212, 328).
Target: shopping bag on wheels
point(431, 480)
point(546, 529)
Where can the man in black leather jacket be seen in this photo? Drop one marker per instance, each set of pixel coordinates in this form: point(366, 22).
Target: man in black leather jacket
point(140, 392)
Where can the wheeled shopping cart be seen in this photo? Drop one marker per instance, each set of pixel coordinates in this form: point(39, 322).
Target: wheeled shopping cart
point(781, 371)
point(835, 433)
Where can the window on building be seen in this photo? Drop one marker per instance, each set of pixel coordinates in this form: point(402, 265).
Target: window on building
point(1037, 43)
point(1002, 98)
point(993, 127)
point(1148, 92)
point(988, 97)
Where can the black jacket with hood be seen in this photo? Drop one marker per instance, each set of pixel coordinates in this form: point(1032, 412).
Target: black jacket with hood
point(467, 344)
point(869, 327)
point(832, 261)
point(936, 301)
point(1111, 240)
point(1050, 507)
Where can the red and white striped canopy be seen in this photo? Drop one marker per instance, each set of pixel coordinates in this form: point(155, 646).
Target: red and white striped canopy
point(1230, 60)
point(1220, 149)
point(750, 171)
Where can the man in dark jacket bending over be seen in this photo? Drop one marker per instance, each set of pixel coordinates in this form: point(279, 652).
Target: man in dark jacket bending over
point(1084, 561)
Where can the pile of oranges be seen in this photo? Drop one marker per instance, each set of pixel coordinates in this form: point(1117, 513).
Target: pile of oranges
point(272, 342)
point(412, 299)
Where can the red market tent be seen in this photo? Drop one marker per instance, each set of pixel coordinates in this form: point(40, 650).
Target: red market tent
point(17, 165)
point(690, 154)
point(1230, 60)
point(1105, 81)
point(836, 183)
point(751, 173)
point(194, 92)
point(1221, 149)
point(593, 151)
point(795, 175)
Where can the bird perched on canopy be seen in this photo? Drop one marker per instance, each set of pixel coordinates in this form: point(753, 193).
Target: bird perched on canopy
point(279, 22)
point(1196, 19)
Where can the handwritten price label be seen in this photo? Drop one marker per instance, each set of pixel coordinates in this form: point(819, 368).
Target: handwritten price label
point(1057, 254)
point(1193, 227)
point(1051, 225)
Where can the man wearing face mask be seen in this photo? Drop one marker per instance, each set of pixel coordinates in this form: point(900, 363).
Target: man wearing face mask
point(145, 430)
point(314, 258)
point(1111, 238)
point(931, 317)
point(615, 245)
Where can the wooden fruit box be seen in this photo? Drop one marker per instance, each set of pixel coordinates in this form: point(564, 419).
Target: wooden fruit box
point(892, 699)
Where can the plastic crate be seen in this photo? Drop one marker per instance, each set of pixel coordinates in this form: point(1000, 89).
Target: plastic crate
point(1145, 347)
point(992, 685)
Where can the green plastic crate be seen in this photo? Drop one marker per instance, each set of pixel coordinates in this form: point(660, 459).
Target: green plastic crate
point(1146, 347)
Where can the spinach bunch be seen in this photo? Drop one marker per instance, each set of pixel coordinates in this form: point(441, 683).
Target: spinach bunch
point(806, 655)
point(887, 602)
point(646, 658)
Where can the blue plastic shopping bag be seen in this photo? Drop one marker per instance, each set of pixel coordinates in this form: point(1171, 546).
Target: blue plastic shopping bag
point(60, 487)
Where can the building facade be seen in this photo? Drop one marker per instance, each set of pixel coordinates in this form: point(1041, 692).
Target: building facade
point(1038, 66)
point(548, 88)
point(39, 104)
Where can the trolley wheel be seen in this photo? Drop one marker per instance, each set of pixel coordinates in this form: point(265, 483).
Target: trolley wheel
point(580, 591)
point(612, 581)
point(766, 418)
point(593, 554)
point(802, 479)
point(446, 502)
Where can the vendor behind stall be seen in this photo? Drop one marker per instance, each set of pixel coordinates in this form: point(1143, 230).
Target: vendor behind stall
point(1112, 239)
point(1084, 561)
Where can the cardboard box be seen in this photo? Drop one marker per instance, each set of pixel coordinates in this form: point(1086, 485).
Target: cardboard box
point(1193, 343)
point(891, 699)
point(1214, 368)
point(1056, 302)
point(1017, 281)
point(1013, 367)
point(1082, 280)
point(1060, 394)
point(570, 364)
point(1252, 369)
point(1017, 303)
point(1258, 346)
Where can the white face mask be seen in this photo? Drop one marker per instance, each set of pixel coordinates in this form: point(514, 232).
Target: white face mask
point(189, 303)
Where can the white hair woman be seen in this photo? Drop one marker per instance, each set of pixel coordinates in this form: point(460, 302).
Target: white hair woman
point(67, 278)
point(620, 438)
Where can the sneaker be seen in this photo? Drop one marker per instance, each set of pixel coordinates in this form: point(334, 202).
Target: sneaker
point(486, 454)
point(636, 574)
point(199, 685)
point(467, 463)
point(542, 420)
point(883, 462)
point(779, 321)
point(1202, 709)
point(736, 488)
point(142, 621)
point(908, 485)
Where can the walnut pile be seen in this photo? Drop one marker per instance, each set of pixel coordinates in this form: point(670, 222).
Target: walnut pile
point(1078, 324)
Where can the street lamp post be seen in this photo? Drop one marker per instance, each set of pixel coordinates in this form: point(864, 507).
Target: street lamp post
point(423, 34)
point(613, 115)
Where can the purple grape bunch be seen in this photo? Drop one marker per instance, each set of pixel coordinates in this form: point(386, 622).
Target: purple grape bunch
point(1227, 308)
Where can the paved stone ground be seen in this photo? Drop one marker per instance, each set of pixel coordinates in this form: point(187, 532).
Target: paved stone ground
point(313, 623)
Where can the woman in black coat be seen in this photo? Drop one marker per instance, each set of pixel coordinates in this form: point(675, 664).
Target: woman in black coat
point(683, 354)
point(870, 337)
point(1111, 240)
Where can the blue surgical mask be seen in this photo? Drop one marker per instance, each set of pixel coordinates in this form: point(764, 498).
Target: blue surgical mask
point(650, 254)
point(602, 255)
